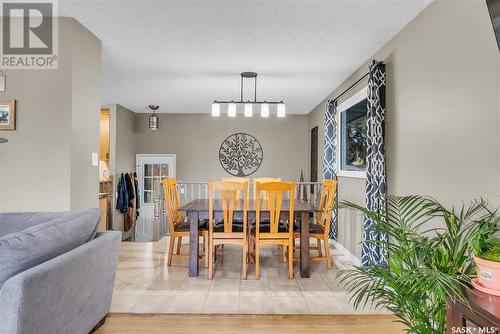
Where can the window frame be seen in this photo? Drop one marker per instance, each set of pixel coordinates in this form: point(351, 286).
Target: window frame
point(354, 99)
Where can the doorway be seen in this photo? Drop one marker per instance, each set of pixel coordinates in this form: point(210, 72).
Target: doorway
point(105, 178)
point(151, 170)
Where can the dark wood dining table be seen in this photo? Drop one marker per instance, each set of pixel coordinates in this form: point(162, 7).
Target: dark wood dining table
point(197, 210)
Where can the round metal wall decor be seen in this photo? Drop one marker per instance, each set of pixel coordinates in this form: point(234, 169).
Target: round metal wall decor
point(240, 154)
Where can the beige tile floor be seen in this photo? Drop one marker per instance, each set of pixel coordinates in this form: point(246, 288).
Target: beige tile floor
point(144, 284)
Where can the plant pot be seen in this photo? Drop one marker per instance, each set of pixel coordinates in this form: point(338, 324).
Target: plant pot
point(488, 273)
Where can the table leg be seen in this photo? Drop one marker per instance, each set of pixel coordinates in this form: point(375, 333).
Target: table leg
point(193, 243)
point(304, 245)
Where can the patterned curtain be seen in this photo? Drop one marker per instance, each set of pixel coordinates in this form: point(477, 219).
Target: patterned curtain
point(330, 154)
point(376, 188)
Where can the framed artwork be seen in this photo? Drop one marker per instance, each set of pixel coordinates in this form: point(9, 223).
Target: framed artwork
point(7, 115)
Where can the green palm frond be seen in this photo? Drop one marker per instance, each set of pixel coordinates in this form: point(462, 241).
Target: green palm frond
point(426, 265)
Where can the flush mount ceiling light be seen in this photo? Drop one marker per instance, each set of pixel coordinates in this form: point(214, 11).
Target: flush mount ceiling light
point(248, 109)
point(154, 121)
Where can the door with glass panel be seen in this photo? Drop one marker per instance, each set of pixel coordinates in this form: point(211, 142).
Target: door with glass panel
point(151, 169)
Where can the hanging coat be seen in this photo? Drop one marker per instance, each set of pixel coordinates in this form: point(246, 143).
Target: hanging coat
point(122, 202)
point(130, 216)
point(130, 190)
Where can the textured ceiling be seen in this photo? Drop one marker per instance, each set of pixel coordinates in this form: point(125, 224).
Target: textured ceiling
point(184, 54)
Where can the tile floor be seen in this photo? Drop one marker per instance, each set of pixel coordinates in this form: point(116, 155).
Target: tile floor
point(144, 284)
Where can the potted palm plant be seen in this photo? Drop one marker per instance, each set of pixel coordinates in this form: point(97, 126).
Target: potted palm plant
point(425, 264)
point(487, 259)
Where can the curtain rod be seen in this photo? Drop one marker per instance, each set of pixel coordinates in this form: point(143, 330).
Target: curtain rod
point(354, 84)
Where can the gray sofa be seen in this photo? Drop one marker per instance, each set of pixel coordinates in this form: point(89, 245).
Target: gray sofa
point(56, 272)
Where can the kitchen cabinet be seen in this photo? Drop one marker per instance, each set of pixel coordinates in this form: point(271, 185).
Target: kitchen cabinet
point(104, 136)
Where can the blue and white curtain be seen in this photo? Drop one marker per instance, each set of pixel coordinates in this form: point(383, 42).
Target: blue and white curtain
point(376, 187)
point(330, 154)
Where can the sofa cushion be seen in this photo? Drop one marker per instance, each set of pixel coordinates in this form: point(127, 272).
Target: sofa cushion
point(56, 235)
point(20, 221)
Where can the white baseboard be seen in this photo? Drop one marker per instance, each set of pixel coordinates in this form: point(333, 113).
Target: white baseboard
point(354, 260)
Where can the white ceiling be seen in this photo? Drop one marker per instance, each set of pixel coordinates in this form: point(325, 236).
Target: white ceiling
point(184, 54)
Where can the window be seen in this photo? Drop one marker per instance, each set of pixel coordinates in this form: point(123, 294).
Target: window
point(351, 136)
point(153, 173)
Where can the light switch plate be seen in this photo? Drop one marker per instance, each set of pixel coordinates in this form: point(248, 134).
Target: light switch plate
point(95, 159)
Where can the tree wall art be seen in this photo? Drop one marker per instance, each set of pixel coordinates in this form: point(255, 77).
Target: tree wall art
point(241, 154)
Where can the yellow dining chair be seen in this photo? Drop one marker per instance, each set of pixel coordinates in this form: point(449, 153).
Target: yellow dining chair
point(178, 227)
point(275, 232)
point(238, 180)
point(228, 233)
point(263, 180)
point(320, 230)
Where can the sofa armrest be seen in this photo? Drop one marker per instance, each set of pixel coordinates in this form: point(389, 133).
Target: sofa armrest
point(67, 294)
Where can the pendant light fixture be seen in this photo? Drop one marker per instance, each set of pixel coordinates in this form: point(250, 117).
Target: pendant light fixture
point(215, 110)
point(154, 120)
point(248, 110)
point(231, 110)
point(248, 105)
point(281, 109)
point(264, 110)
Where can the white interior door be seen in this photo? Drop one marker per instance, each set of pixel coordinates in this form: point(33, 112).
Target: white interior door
point(151, 169)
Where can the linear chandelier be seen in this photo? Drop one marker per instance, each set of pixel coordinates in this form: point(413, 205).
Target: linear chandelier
point(248, 109)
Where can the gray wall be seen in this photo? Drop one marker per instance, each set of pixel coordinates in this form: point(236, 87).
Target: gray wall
point(46, 152)
point(443, 108)
point(196, 139)
point(85, 120)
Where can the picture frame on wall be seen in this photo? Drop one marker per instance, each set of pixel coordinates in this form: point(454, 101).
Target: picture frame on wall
point(7, 115)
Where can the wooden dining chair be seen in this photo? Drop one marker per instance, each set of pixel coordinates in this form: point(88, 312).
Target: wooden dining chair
point(264, 197)
point(236, 220)
point(178, 227)
point(238, 180)
point(276, 232)
point(227, 233)
point(263, 180)
point(320, 229)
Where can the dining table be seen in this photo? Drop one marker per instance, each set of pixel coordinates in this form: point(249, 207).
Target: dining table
point(197, 210)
